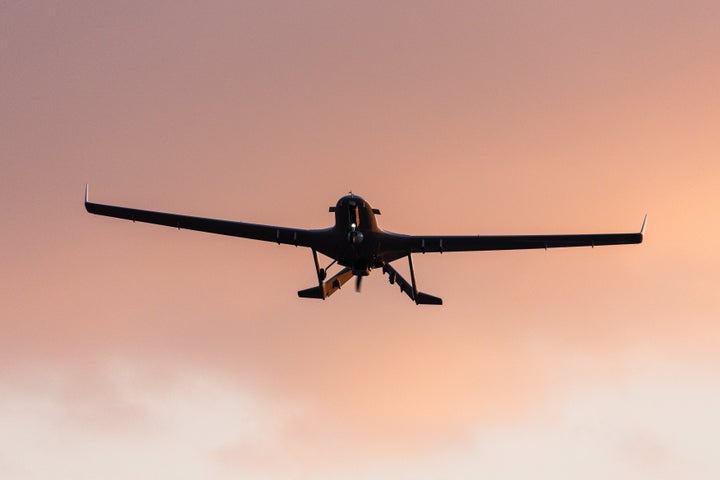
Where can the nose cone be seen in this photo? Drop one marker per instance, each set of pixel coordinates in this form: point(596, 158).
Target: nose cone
point(351, 201)
point(352, 209)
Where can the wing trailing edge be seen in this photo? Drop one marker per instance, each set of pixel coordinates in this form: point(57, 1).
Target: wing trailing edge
point(466, 243)
point(269, 233)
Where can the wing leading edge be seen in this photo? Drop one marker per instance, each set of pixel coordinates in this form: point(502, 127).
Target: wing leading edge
point(268, 233)
point(466, 243)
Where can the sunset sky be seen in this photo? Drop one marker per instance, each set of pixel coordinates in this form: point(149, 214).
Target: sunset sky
point(139, 351)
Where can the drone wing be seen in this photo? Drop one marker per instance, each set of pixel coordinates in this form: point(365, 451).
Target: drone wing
point(464, 243)
point(268, 233)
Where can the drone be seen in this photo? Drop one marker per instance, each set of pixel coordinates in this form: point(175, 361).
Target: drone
point(357, 244)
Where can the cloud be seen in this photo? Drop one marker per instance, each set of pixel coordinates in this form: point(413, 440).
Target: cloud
point(647, 424)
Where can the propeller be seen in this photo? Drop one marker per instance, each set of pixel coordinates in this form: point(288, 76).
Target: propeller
point(358, 282)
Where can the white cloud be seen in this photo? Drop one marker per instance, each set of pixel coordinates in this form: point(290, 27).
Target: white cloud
point(172, 431)
point(661, 422)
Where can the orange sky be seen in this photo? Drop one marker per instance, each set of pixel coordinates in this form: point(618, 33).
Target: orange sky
point(136, 351)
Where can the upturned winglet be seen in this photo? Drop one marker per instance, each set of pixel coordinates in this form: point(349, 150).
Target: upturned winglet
point(88, 205)
point(642, 229)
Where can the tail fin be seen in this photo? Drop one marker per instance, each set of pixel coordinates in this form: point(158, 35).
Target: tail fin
point(427, 299)
point(329, 287)
point(406, 287)
point(312, 292)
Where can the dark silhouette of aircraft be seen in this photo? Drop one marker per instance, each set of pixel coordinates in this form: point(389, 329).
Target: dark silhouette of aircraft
point(357, 244)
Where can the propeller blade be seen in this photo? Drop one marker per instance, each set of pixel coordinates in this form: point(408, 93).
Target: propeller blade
point(358, 282)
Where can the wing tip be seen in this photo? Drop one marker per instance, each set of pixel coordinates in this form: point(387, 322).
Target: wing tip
point(88, 205)
point(642, 228)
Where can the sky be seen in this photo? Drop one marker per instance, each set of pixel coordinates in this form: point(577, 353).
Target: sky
point(138, 351)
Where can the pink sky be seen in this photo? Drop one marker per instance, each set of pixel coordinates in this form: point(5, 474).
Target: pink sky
point(136, 351)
